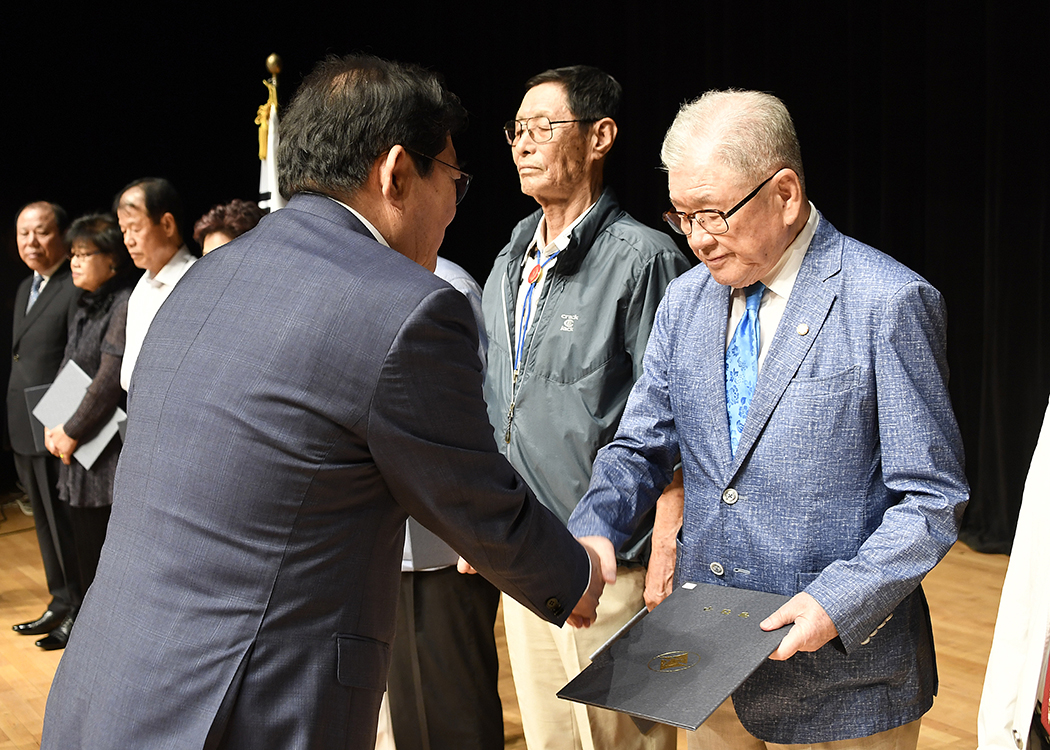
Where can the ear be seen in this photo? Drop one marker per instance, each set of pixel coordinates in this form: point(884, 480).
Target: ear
point(788, 192)
point(395, 171)
point(169, 225)
point(604, 135)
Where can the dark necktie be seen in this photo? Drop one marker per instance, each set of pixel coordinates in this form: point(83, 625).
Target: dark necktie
point(742, 365)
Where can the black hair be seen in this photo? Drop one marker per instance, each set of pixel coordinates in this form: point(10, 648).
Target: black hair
point(352, 109)
point(102, 231)
point(591, 93)
point(161, 198)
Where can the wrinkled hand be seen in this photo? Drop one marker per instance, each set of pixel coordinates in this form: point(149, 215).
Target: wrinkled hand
point(59, 443)
point(464, 567)
point(812, 627)
point(659, 576)
point(603, 571)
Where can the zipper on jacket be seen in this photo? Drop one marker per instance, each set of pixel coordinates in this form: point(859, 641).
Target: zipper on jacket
point(510, 418)
point(520, 369)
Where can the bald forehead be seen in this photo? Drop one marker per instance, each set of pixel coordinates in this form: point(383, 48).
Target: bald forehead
point(40, 212)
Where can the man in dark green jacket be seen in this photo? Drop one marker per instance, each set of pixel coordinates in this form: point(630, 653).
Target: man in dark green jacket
point(568, 308)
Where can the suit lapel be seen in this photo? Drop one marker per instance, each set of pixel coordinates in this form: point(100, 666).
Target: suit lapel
point(807, 309)
point(715, 308)
point(22, 319)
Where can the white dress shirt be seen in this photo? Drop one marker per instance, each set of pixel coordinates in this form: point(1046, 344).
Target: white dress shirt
point(779, 283)
point(147, 297)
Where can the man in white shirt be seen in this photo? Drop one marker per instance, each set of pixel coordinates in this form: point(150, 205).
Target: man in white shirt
point(149, 212)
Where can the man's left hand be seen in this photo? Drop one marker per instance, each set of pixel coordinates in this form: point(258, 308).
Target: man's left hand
point(812, 627)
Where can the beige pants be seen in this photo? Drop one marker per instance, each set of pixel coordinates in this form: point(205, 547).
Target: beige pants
point(384, 731)
point(544, 658)
point(723, 731)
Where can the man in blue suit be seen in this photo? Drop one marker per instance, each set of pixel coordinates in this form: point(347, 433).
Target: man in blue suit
point(833, 472)
point(297, 395)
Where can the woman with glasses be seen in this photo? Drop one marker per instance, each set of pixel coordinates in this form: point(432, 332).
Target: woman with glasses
point(100, 266)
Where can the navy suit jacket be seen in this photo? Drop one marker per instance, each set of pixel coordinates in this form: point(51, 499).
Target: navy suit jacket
point(301, 390)
point(847, 482)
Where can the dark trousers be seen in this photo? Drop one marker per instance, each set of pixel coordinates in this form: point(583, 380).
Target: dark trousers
point(54, 530)
point(89, 534)
point(444, 668)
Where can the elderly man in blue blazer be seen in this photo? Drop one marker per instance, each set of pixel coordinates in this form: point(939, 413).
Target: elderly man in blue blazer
point(298, 394)
point(799, 377)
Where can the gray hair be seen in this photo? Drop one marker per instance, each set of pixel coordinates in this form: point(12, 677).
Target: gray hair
point(750, 131)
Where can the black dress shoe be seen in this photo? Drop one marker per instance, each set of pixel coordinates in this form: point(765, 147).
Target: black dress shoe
point(57, 638)
point(44, 624)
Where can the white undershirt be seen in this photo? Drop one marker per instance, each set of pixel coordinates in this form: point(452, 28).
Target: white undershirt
point(46, 276)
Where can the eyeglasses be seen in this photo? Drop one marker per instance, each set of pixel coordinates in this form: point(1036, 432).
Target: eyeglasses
point(462, 182)
point(540, 129)
point(712, 220)
point(80, 257)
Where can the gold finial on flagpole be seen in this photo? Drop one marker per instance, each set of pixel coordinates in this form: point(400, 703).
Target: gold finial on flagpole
point(262, 119)
point(273, 64)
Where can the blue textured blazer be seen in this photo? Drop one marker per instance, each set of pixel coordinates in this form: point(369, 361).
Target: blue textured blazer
point(847, 483)
point(301, 390)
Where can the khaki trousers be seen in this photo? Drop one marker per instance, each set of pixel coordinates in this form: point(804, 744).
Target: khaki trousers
point(723, 731)
point(543, 658)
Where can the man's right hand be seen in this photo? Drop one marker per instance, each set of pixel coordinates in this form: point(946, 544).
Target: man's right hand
point(603, 570)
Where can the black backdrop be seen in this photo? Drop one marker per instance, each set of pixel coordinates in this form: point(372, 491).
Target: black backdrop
point(923, 129)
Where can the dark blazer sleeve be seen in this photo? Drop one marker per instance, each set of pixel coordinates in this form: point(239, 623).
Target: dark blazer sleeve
point(104, 394)
point(431, 439)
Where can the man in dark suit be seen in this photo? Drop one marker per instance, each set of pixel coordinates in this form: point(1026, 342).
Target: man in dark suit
point(298, 394)
point(44, 305)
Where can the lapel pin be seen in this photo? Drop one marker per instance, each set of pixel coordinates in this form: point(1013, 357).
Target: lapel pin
point(802, 329)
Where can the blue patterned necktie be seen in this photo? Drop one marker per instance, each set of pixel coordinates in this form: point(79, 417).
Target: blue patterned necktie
point(742, 365)
point(34, 291)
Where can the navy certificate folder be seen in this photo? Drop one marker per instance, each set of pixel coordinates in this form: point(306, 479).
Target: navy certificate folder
point(679, 663)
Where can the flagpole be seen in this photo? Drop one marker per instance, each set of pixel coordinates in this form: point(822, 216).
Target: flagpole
point(269, 195)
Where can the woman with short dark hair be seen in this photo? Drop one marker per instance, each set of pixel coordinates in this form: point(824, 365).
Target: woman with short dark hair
point(100, 266)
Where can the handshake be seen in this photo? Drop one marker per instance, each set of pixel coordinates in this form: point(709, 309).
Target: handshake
point(603, 570)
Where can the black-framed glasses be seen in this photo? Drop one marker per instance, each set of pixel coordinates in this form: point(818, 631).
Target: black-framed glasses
point(540, 129)
point(462, 182)
point(81, 257)
point(712, 220)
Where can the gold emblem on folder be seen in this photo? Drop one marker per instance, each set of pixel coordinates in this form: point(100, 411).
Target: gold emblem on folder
point(673, 661)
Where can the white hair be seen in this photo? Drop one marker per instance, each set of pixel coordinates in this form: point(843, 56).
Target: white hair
point(750, 131)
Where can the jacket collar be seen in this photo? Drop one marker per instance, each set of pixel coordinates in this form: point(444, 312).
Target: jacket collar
point(605, 212)
point(328, 209)
point(54, 285)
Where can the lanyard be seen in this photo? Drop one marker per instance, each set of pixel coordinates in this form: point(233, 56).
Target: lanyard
point(526, 308)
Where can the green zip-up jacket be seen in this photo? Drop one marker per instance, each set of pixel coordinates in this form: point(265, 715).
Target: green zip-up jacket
point(583, 349)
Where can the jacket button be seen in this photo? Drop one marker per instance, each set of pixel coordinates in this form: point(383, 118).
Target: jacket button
point(717, 569)
point(730, 496)
point(554, 606)
point(16, 358)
